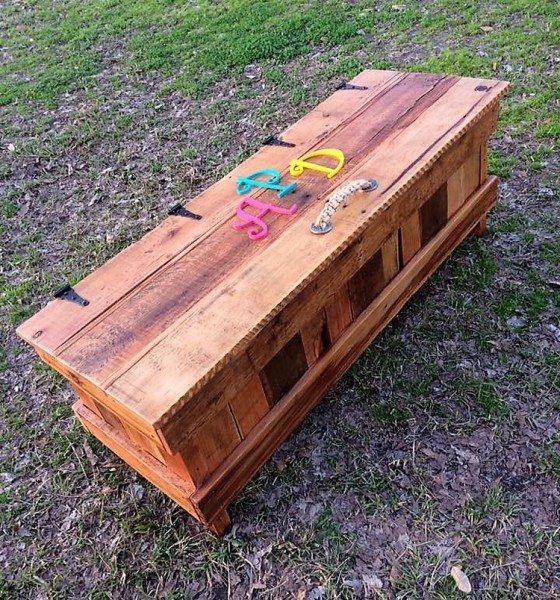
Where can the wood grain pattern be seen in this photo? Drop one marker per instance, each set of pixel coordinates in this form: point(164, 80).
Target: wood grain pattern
point(463, 182)
point(390, 256)
point(211, 348)
point(315, 336)
point(239, 468)
point(60, 321)
point(249, 406)
point(410, 237)
point(162, 301)
point(194, 363)
point(211, 445)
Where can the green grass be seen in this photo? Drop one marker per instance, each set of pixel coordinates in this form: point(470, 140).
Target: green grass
point(135, 94)
point(477, 269)
point(196, 46)
point(491, 507)
point(550, 457)
point(501, 166)
point(489, 402)
point(530, 301)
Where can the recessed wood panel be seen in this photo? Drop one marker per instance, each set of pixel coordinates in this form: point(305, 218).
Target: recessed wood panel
point(315, 337)
point(210, 445)
point(366, 284)
point(433, 214)
point(249, 406)
point(284, 370)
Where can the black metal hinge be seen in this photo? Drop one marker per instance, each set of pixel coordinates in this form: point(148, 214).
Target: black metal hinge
point(66, 292)
point(272, 140)
point(343, 85)
point(180, 211)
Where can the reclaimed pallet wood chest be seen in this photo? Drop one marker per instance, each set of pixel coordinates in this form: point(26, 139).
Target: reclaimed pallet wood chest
point(196, 351)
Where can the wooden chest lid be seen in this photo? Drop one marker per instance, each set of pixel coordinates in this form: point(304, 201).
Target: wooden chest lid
point(167, 313)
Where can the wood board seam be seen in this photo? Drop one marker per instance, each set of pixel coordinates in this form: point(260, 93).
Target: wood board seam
point(438, 87)
point(244, 343)
point(463, 222)
point(380, 136)
point(222, 218)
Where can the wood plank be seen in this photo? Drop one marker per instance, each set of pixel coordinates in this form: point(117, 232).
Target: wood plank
point(463, 182)
point(339, 312)
point(240, 467)
point(213, 442)
point(249, 406)
point(176, 488)
point(315, 336)
point(410, 237)
point(390, 256)
point(483, 175)
point(284, 370)
point(123, 333)
point(60, 321)
point(438, 123)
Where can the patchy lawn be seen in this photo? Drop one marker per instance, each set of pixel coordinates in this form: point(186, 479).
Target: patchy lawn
point(440, 447)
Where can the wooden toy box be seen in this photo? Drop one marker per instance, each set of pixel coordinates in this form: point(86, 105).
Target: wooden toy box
point(200, 349)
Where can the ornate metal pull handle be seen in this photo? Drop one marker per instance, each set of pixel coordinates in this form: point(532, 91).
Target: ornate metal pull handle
point(323, 222)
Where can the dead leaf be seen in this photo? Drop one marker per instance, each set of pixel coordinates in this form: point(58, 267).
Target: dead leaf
point(316, 593)
point(462, 581)
point(486, 28)
point(11, 148)
point(281, 466)
point(371, 584)
point(394, 575)
point(398, 7)
point(69, 169)
point(494, 66)
point(92, 459)
point(252, 71)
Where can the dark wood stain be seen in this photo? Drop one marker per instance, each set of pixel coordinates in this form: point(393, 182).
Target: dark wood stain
point(121, 334)
point(433, 214)
point(366, 284)
point(284, 370)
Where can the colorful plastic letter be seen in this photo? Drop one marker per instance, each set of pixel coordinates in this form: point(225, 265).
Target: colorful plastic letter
point(244, 184)
point(260, 229)
point(299, 164)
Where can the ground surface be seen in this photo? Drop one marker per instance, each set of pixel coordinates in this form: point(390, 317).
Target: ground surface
point(440, 447)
